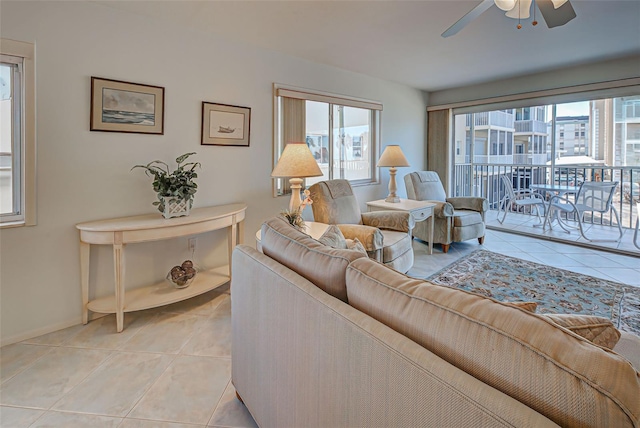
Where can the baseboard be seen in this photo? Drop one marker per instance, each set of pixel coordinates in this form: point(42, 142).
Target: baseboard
point(45, 330)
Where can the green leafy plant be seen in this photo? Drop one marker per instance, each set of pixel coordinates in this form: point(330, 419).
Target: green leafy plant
point(172, 186)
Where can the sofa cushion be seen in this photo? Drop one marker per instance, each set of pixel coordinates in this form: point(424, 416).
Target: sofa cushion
point(527, 306)
point(595, 329)
point(559, 374)
point(629, 347)
point(320, 264)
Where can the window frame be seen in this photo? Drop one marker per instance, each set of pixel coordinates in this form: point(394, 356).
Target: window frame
point(25, 161)
point(280, 186)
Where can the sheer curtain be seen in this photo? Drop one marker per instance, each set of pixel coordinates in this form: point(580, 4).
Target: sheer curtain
point(439, 151)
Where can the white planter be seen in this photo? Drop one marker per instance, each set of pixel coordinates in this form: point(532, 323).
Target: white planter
point(176, 207)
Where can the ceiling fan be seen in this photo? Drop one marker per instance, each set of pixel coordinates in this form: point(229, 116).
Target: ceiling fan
point(554, 12)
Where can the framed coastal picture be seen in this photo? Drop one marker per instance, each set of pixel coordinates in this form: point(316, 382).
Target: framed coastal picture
point(225, 125)
point(118, 106)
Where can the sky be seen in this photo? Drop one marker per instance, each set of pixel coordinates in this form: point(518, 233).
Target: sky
point(573, 109)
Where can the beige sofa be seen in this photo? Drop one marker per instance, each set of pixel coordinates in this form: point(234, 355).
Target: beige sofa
point(323, 337)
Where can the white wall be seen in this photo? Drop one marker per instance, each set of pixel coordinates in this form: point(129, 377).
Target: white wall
point(85, 175)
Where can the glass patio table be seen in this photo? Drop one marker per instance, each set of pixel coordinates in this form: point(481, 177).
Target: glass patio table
point(552, 189)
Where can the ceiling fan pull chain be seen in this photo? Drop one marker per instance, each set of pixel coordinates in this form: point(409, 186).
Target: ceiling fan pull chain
point(519, 12)
point(534, 23)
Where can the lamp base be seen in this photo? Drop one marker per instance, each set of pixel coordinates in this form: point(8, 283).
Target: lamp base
point(295, 201)
point(392, 186)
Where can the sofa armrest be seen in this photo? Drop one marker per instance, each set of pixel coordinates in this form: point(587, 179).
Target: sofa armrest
point(390, 220)
point(472, 203)
point(369, 236)
point(629, 347)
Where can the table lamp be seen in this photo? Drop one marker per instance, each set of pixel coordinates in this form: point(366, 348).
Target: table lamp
point(296, 162)
point(392, 157)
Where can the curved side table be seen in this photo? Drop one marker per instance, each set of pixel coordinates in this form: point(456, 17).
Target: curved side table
point(119, 232)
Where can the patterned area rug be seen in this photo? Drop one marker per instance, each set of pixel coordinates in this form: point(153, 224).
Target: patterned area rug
point(554, 290)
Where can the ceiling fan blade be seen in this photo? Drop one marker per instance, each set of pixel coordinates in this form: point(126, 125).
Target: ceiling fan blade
point(473, 14)
point(556, 17)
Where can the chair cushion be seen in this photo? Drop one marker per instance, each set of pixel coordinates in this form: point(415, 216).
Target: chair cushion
point(320, 264)
point(462, 218)
point(395, 244)
point(334, 203)
point(425, 186)
point(528, 357)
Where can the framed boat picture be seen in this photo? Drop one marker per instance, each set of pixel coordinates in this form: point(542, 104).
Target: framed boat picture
point(118, 106)
point(225, 125)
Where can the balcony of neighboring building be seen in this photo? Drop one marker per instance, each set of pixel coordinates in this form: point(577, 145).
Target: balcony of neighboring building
point(530, 127)
point(491, 119)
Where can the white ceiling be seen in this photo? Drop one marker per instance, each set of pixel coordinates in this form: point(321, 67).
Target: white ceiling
point(400, 40)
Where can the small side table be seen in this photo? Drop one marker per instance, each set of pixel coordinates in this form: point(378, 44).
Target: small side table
point(419, 210)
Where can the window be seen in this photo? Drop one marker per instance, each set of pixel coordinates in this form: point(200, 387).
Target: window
point(17, 134)
point(341, 132)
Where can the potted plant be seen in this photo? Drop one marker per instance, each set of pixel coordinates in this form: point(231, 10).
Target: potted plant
point(175, 189)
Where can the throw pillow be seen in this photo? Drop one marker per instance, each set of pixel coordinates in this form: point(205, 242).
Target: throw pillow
point(597, 330)
point(355, 244)
point(333, 237)
point(527, 306)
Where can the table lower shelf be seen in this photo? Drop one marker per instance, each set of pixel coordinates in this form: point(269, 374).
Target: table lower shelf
point(162, 293)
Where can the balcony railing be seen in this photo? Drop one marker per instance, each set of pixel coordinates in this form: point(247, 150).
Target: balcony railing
point(530, 126)
point(484, 180)
point(519, 158)
point(493, 118)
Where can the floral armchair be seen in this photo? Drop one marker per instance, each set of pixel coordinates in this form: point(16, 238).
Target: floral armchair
point(456, 219)
point(386, 235)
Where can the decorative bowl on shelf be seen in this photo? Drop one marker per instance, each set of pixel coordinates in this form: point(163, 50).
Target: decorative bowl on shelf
point(182, 276)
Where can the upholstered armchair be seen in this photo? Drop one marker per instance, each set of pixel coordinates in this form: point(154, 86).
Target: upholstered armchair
point(386, 235)
point(455, 219)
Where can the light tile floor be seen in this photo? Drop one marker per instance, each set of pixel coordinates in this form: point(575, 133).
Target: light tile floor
point(171, 366)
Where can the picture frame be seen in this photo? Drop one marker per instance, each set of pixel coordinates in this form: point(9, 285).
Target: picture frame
point(118, 106)
point(225, 125)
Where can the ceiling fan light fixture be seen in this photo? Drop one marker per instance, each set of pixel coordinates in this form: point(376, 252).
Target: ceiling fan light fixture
point(558, 3)
point(521, 10)
point(506, 4)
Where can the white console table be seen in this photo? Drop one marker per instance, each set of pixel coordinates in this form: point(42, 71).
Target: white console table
point(119, 232)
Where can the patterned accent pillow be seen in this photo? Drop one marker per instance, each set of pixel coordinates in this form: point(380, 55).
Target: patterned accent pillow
point(333, 237)
point(597, 330)
point(355, 244)
point(527, 306)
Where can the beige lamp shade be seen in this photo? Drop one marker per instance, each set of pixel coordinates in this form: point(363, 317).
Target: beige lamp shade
point(393, 156)
point(296, 161)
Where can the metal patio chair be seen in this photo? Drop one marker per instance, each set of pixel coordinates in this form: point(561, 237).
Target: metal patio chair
point(520, 198)
point(593, 197)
